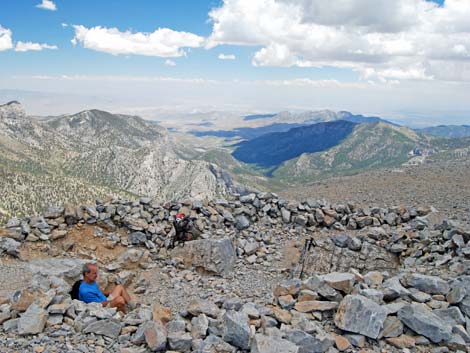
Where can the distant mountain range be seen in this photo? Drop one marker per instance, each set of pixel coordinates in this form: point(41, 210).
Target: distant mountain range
point(449, 131)
point(91, 154)
point(283, 122)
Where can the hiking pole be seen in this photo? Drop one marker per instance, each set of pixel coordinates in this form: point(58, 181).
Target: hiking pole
point(309, 243)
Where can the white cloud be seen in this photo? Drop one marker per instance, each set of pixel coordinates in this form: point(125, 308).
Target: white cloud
point(27, 46)
point(47, 5)
point(169, 62)
point(64, 25)
point(226, 56)
point(5, 39)
point(163, 42)
point(380, 39)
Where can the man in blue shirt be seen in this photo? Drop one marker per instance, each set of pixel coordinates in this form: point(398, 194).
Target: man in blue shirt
point(89, 291)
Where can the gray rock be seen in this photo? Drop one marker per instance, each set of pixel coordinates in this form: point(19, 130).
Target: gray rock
point(109, 328)
point(214, 255)
point(341, 240)
point(54, 212)
point(228, 216)
point(316, 284)
point(69, 268)
point(355, 244)
point(285, 215)
point(393, 289)
point(460, 330)
point(360, 315)
point(356, 340)
point(421, 320)
point(248, 198)
point(290, 286)
point(308, 343)
point(241, 222)
point(32, 321)
point(233, 303)
point(11, 325)
point(342, 281)
point(137, 238)
point(427, 284)
point(197, 307)
point(464, 305)
point(10, 247)
point(155, 336)
point(13, 223)
point(214, 344)
point(319, 216)
point(270, 344)
point(176, 325)
point(199, 326)
point(456, 295)
point(53, 320)
point(372, 294)
point(391, 218)
point(392, 328)
point(237, 329)
point(451, 316)
point(251, 247)
point(180, 341)
point(419, 296)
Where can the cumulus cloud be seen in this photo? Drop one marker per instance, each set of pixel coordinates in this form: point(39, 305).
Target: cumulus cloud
point(5, 39)
point(380, 39)
point(163, 42)
point(28, 46)
point(169, 62)
point(47, 5)
point(226, 56)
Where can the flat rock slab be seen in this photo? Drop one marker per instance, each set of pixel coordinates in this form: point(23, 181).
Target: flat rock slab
point(424, 322)
point(70, 268)
point(359, 314)
point(32, 321)
point(213, 255)
point(268, 344)
point(237, 329)
point(310, 344)
point(426, 284)
point(315, 305)
point(198, 306)
point(342, 281)
point(109, 328)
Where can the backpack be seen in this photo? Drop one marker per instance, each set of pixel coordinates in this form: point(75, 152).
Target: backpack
point(75, 289)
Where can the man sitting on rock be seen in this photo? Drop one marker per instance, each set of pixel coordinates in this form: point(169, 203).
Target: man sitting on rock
point(89, 291)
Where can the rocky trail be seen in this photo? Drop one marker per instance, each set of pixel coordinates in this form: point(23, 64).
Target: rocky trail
point(394, 279)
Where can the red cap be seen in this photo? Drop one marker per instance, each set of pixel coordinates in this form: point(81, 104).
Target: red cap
point(180, 216)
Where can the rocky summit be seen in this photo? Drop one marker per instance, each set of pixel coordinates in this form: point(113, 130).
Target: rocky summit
point(266, 275)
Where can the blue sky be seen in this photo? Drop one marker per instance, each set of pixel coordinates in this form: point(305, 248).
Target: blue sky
point(392, 58)
point(29, 23)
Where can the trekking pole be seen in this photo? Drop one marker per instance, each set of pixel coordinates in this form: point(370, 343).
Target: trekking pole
point(309, 243)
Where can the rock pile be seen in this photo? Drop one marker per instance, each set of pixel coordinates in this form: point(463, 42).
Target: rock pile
point(149, 223)
point(324, 313)
point(376, 280)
